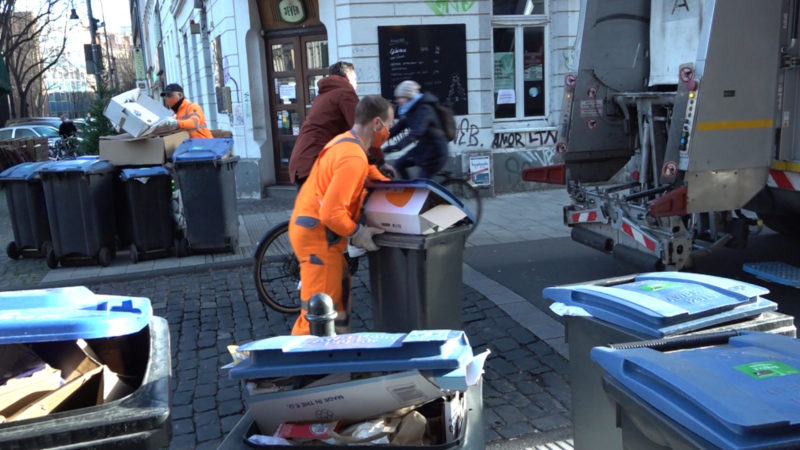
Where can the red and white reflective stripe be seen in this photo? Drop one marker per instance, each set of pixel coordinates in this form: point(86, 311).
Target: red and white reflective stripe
point(784, 180)
point(632, 231)
point(586, 216)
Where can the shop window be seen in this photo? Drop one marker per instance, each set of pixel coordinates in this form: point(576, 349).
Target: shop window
point(518, 38)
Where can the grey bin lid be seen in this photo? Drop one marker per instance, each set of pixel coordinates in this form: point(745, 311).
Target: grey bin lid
point(666, 303)
point(740, 395)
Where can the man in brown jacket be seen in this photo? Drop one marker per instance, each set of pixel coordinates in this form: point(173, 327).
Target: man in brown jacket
point(332, 113)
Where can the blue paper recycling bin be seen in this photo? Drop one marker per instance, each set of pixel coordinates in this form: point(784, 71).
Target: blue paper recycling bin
point(711, 392)
point(80, 210)
point(405, 370)
point(645, 306)
point(125, 336)
point(205, 173)
point(28, 210)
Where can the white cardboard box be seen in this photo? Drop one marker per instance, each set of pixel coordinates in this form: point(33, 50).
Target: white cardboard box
point(409, 210)
point(135, 112)
point(354, 400)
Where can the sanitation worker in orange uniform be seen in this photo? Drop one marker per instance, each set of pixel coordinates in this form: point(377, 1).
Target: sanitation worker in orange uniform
point(188, 116)
point(328, 207)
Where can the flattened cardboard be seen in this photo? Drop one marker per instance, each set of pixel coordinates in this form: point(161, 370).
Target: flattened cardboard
point(408, 210)
point(125, 150)
point(350, 400)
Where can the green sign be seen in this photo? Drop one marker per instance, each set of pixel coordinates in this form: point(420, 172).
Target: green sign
point(656, 286)
point(767, 369)
point(292, 11)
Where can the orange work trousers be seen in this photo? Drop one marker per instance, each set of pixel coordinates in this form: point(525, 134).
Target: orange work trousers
point(323, 268)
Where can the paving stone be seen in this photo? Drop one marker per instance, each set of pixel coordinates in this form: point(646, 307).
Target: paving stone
point(205, 390)
point(204, 404)
point(209, 432)
point(182, 426)
point(182, 442)
point(522, 335)
point(551, 422)
point(230, 407)
point(228, 393)
point(204, 418)
point(515, 429)
point(556, 362)
point(509, 414)
point(181, 412)
point(503, 345)
point(227, 423)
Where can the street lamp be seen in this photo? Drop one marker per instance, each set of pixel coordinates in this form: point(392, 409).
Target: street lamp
point(95, 48)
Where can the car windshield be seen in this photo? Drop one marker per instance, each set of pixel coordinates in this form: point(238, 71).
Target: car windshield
point(5, 134)
point(46, 131)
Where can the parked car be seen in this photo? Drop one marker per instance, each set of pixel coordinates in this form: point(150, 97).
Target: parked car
point(33, 131)
point(52, 121)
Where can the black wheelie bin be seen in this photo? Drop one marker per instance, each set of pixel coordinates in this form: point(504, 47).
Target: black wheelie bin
point(147, 194)
point(28, 210)
point(416, 275)
point(108, 358)
point(205, 173)
point(640, 307)
point(80, 210)
point(731, 390)
point(355, 377)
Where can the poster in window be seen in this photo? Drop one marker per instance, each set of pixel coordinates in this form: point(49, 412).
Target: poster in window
point(435, 56)
point(534, 69)
point(503, 70)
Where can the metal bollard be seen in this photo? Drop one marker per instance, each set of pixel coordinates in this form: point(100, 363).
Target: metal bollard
point(321, 315)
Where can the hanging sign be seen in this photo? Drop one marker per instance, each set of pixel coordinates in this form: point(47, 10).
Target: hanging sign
point(292, 11)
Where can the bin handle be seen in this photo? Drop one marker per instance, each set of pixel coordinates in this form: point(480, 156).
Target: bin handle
point(680, 342)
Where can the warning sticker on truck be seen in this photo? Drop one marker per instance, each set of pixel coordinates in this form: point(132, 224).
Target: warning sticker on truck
point(591, 108)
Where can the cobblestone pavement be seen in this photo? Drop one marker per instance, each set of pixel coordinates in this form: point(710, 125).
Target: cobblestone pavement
point(525, 390)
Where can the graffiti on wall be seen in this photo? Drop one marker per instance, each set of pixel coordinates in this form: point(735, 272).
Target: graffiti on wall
point(522, 139)
point(467, 134)
point(509, 166)
point(442, 7)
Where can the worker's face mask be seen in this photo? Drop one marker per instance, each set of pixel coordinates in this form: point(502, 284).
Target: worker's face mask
point(381, 136)
point(172, 99)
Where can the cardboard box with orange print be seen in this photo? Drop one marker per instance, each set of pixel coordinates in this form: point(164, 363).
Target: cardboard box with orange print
point(411, 207)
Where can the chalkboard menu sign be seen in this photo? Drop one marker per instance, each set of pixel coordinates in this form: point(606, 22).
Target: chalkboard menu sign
point(435, 56)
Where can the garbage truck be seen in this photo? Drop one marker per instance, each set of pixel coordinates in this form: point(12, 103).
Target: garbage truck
point(679, 130)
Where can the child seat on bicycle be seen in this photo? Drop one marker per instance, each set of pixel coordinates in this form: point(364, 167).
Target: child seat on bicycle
point(419, 117)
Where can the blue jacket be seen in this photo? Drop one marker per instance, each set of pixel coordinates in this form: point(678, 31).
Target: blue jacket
point(424, 128)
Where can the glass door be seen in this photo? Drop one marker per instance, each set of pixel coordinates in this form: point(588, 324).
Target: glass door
point(296, 64)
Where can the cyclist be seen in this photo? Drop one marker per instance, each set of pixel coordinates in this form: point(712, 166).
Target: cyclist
point(418, 115)
point(67, 129)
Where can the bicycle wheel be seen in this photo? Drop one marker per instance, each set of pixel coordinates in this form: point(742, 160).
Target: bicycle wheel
point(276, 271)
point(468, 195)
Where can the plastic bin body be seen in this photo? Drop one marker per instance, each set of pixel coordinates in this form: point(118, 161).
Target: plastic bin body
point(127, 338)
point(208, 190)
point(593, 414)
point(444, 355)
point(731, 394)
point(415, 280)
point(80, 207)
point(148, 201)
point(27, 207)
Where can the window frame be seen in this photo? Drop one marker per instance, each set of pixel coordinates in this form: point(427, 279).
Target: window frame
point(519, 23)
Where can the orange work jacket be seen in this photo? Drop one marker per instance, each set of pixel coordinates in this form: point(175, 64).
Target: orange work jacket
point(191, 118)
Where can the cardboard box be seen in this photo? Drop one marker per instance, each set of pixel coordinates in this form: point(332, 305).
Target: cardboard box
point(126, 150)
point(135, 112)
point(26, 377)
point(408, 210)
point(353, 400)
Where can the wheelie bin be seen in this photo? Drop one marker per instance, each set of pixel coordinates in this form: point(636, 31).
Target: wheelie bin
point(205, 173)
point(415, 279)
point(120, 396)
point(147, 194)
point(371, 375)
point(28, 210)
point(80, 210)
point(721, 390)
point(646, 306)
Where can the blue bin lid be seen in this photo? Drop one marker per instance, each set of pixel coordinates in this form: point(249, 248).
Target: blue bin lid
point(46, 315)
point(141, 172)
point(666, 303)
point(740, 395)
point(357, 352)
point(83, 165)
point(202, 149)
point(430, 185)
point(23, 171)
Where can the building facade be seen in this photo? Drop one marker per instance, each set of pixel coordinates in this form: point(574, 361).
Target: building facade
point(253, 66)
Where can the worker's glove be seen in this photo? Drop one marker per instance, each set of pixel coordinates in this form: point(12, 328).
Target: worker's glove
point(171, 123)
point(363, 237)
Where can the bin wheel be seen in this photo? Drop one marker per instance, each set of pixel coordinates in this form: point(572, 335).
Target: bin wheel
point(45, 248)
point(104, 257)
point(134, 254)
point(52, 261)
point(13, 251)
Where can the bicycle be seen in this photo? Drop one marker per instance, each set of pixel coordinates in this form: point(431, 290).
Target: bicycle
point(64, 148)
point(276, 271)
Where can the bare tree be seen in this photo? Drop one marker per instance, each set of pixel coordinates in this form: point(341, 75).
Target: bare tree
point(20, 36)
